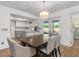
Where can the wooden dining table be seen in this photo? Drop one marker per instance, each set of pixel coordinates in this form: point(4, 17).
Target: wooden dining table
point(36, 41)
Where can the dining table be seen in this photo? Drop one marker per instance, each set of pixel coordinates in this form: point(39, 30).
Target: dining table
point(35, 41)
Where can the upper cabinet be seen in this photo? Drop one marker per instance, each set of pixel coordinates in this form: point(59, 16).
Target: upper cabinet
point(21, 24)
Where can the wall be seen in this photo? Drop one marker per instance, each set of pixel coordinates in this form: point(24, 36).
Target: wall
point(5, 23)
point(12, 28)
point(67, 38)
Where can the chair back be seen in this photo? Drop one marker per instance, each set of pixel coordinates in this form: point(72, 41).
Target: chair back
point(46, 36)
point(58, 38)
point(11, 46)
point(51, 44)
point(20, 51)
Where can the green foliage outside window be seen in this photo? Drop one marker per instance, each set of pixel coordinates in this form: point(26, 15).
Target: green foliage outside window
point(45, 26)
point(56, 26)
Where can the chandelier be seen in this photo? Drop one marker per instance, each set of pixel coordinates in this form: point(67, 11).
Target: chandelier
point(44, 14)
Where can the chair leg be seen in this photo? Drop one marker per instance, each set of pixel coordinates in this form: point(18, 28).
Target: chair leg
point(59, 51)
point(40, 54)
point(55, 52)
point(43, 55)
point(36, 53)
point(11, 56)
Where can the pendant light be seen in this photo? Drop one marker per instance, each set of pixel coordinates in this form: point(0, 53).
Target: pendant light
point(44, 14)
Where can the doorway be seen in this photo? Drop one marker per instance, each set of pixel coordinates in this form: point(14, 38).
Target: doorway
point(75, 23)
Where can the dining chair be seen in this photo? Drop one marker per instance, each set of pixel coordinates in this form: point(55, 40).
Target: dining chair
point(46, 36)
point(20, 51)
point(57, 45)
point(49, 49)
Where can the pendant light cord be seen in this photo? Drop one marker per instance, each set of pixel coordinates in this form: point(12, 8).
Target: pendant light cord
point(44, 5)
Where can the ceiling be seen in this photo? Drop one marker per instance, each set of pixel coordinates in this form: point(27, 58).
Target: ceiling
point(35, 7)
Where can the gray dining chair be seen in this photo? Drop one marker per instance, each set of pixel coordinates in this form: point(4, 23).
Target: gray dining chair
point(57, 45)
point(20, 51)
point(49, 49)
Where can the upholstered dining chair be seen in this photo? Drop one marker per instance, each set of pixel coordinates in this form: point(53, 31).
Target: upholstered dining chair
point(20, 51)
point(57, 45)
point(49, 49)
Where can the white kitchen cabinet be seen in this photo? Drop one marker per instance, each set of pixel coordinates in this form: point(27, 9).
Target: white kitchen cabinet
point(20, 24)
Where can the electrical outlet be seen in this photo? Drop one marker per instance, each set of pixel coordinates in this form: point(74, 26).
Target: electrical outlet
point(2, 43)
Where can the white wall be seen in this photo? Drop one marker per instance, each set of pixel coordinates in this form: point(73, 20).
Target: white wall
point(12, 28)
point(5, 23)
point(66, 24)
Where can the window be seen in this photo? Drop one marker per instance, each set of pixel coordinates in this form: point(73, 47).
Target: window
point(56, 25)
point(46, 25)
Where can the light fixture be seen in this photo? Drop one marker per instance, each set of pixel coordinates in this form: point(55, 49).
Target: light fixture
point(44, 14)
